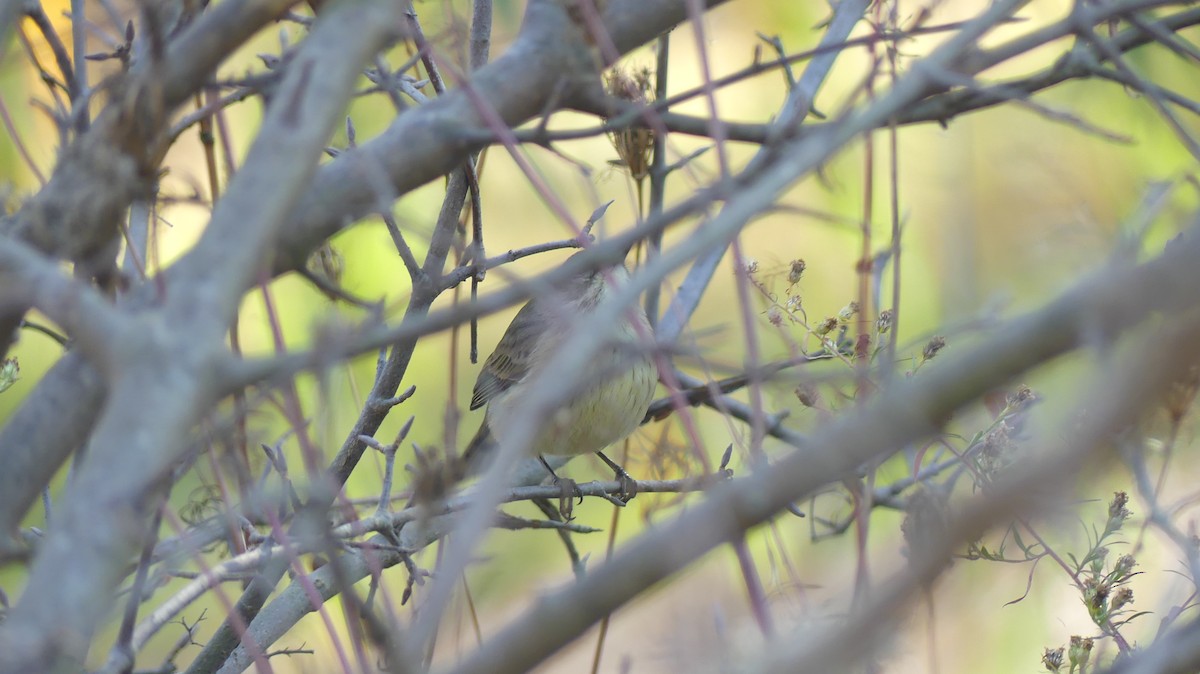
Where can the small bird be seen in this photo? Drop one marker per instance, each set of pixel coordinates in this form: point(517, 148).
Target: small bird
point(617, 384)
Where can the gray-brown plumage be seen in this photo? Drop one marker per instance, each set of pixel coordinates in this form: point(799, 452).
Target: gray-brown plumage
point(618, 383)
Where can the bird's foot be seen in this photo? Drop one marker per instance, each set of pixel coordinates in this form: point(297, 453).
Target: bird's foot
point(566, 500)
point(570, 491)
point(629, 486)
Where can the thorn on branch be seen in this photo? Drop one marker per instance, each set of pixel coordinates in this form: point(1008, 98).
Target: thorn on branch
point(122, 52)
point(416, 576)
point(595, 217)
point(513, 523)
point(671, 168)
point(291, 651)
point(776, 43)
point(388, 403)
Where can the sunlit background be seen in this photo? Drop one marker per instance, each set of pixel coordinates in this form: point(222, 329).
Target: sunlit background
point(1000, 210)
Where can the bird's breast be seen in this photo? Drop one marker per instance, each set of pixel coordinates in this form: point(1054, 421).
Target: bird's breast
point(610, 407)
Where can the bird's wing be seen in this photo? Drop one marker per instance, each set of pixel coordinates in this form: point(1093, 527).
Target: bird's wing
point(509, 363)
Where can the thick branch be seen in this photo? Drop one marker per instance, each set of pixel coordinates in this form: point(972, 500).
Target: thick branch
point(164, 385)
point(1095, 311)
point(1111, 400)
point(421, 145)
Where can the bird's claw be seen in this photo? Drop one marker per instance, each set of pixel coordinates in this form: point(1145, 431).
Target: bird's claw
point(570, 491)
point(629, 486)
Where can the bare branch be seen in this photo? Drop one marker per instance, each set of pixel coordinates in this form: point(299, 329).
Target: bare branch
point(1098, 309)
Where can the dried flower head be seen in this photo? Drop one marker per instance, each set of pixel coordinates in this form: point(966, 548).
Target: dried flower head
point(796, 270)
point(10, 372)
point(432, 475)
point(1123, 567)
point(935, 344)
point(793, 303)
point(775, 316)
point(924, 522)
point(997, 450)
point(848, 312)
point(1021, 397)
point(327, 263)
point(1053, 659)
point(862, 347)
point(807, 395)
point(1120, 599)
point(1117, 512)
point(1079, 651)
point(634, 144)
point(826, 326)
point(1181, 393)
point(1095, 595)
point(1095, 598)
point(883, 324)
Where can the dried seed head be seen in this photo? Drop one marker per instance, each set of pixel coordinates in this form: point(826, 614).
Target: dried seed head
point(935, 344)
point(997, 451)
point(775, 316)
point(1053, 659)
point(826, 326)
point(1120, 599)
point(848, 312)
point(1079, 651)
point(327, 263)
point(997, 440)
point(1095, 597)
point(634, 144)
point(1181, 393)
point(883, 324)
point(1124, 567)
point(10, 372)
point(807, 395)
point(1117, 512)
point(432, 476)
point(633, 85)
point(924, 522)
point(862, 347)
point(1020, 398)
point(796, 270)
